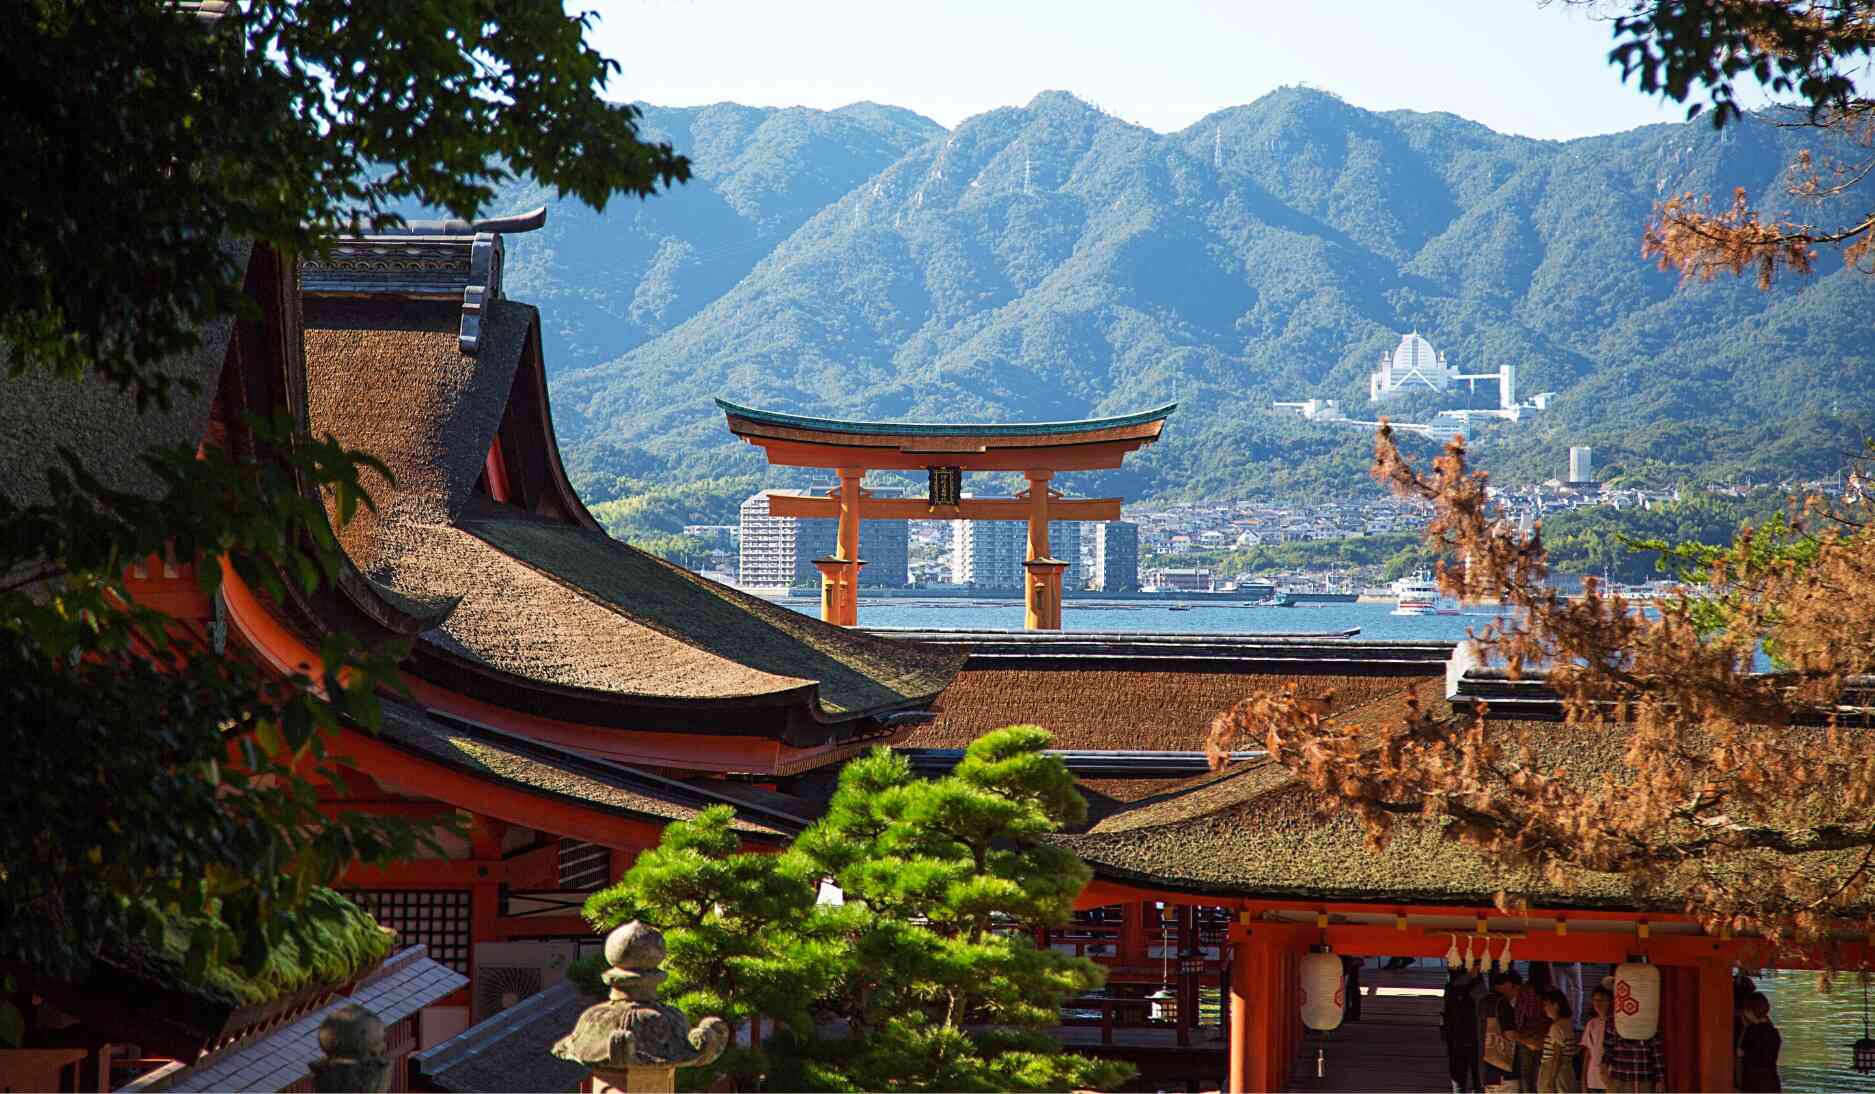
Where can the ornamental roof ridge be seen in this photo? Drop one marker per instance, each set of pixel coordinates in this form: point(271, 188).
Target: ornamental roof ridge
point(944, 429)
point(424, 260)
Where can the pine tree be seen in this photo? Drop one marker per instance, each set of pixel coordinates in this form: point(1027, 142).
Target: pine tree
point(927, 976)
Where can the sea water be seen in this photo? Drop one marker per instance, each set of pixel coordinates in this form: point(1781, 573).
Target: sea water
point(1818, 1029)
point(1373, 621)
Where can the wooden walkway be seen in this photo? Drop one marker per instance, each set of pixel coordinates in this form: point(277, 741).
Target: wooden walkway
point(1395, 1047)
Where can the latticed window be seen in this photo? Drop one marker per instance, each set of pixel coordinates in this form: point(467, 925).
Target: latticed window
point(584, 865)
point(437, 918)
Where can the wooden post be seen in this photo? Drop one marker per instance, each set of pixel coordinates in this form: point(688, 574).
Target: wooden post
point(1715, 1024)
point(1038, 513)
point(1041, 585)
point(1244, 966)
point(1278, 1010)
point(847, 548)
point(1679, 1026)
point(1132, 950)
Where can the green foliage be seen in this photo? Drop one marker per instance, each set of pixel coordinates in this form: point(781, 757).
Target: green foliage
point(154, 146)
point(124, 721)
point(925, 978)
point(1631, 545)
point(1779, 539)
point(1813, 50)
point(328, 940)
point(150, 139)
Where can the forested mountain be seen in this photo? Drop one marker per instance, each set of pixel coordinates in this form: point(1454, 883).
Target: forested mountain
point(1051, 261)
point(606, 282)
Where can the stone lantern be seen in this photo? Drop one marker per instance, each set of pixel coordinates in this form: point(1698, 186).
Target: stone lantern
point(632, 1042)
point(355, 1060)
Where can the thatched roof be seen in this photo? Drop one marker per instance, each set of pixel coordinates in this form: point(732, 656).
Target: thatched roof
point(540, 600)
point(555, 772)
point(1144, 692)
point(1255, 830)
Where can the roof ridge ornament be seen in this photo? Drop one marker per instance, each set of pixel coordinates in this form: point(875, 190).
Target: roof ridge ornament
point(425, 259)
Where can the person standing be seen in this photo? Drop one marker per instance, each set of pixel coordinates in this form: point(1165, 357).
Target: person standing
point(1532, 1024)
point(1500, 1030)
point(1634, 1066)
point(1594, 1035)
point(1458, 1024)
point(1351, 969)
point(1758, 1046)
point(1556, 1069)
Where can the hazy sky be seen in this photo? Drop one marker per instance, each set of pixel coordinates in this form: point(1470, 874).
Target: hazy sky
point(1515, 65)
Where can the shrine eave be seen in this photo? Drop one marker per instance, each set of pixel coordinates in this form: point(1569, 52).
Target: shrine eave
point(941, 438)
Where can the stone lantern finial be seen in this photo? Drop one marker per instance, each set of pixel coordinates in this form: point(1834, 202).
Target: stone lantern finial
point(353, 1040)
point(632, 1042)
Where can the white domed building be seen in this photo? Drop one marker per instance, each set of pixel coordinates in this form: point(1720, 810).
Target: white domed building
point(1413, 363)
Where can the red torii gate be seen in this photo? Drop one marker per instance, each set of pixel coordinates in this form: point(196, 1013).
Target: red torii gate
point(945, 451)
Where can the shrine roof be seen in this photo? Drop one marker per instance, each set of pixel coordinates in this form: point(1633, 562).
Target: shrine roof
point(540, 608)
point(511, 1050)
point(41, 412)
point(1143, 691)
point(943, 429)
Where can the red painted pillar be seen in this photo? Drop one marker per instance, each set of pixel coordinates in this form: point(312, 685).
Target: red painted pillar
point(1714, 976)
point(1679, 1025)
point(1133, 932)
point(1253, 1020)
point(1288, 1017)
point(1245, 959)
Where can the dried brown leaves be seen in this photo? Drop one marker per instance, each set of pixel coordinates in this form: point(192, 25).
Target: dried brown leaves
point(1748, 796)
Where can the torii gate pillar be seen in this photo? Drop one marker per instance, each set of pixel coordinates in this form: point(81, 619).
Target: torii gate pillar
point(839, 575)
point(1041, 586)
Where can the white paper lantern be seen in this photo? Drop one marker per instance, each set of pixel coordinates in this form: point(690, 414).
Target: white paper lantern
point(1324, 991)
point(1637, 1001)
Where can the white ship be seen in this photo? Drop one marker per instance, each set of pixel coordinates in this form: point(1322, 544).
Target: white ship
point(1419, 595)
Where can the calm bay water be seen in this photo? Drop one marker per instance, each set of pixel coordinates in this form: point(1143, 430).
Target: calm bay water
point(1374, 621)
point(1818, 1030)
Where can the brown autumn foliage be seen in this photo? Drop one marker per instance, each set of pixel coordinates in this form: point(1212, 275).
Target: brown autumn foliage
point(1750, 796)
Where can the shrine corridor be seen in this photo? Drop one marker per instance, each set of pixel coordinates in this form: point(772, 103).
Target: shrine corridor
point(1395, 1047)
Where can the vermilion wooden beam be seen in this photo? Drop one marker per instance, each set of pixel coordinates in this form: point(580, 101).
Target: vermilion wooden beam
point(1095, 456)
point(796, 505)
point(426, 873)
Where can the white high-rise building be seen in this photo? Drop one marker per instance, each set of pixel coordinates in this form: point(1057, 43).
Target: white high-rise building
point(779, 552)
point(989, 553)
point(1413, 364)
point(1114, 562)
point(1581, 464)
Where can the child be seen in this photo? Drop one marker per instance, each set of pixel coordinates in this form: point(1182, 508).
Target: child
point(1556, 1072)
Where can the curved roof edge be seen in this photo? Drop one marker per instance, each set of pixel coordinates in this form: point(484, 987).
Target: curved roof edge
point(944, 429)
